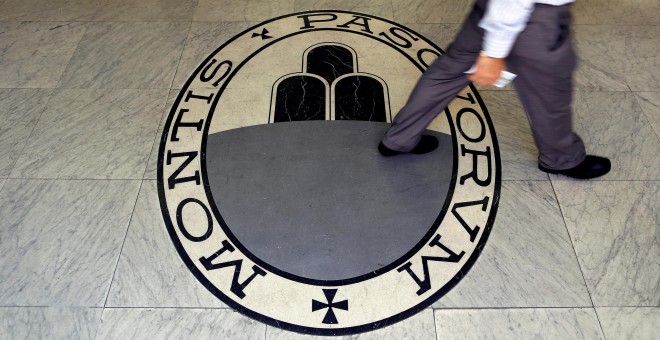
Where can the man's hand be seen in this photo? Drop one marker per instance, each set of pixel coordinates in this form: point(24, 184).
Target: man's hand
point(488, 71)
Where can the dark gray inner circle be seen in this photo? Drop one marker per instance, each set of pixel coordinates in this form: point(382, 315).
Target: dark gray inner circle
point(315, 198)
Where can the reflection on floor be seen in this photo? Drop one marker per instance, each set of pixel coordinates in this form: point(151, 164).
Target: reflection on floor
point(84, 252)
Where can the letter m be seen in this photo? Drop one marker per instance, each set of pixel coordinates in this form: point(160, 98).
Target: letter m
point(236, 287)
point(425, 283)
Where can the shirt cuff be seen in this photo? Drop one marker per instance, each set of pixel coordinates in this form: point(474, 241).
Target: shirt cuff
point(498, 45)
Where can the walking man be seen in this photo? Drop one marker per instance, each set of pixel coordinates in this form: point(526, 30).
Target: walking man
point(530, 39)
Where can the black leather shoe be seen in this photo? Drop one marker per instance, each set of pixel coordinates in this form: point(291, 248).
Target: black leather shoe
point(425, 145)
point(591, 167)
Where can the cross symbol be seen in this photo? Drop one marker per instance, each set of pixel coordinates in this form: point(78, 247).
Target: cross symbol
point(330, 317)
point(264, 34)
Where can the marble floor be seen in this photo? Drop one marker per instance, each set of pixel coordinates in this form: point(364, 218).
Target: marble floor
point(84, 252)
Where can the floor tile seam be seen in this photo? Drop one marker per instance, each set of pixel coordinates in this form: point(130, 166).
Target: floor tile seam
point(98, 324)
point(602, 330)
point(115, 307)
point(73, 53)
point(628, 84)
point(646, 116)
point(398, 22)
point(657, 133)
point(232, 309)
point(626, 76)
point(435, 325)
point(178, 63)
point(253, 22)
point(155, 139)
point(27, 88)
point(600, 325)
point(577, 258)
point(512, 308)
point(237, 20)
point(639, 307)
point(121, 249)
point(71, 179)
point(86, 88)
point(27, 140)
point(49, 306)
point(172, 307)
point(97, 7)
point(113, 88)
point(167, 97)
point(59, 82)
point(526, 180)
point(565, 179)
point(89, 21)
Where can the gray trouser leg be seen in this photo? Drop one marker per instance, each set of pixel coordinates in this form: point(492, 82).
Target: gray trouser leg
point(544, 60)
point(438, 86)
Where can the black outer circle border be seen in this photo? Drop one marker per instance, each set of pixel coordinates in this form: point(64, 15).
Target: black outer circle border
point(311, 330)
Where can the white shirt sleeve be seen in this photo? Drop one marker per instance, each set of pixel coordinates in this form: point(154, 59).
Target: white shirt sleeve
point(503, 21)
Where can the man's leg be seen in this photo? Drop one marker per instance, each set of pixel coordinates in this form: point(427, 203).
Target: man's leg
point(544, 60)
point(438, 86)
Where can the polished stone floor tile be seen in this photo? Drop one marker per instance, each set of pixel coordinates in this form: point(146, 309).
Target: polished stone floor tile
point(47, 10)
point(138, 323)
point(19, 112)
point(260, 10)
point(614, 228)
point(61, 240)
point(613, 125)
point(551, 323)
point(528, 260)
point(630, 322)
point(418, 327)
point(432, 11)
point(145, 10)
point(163, 281)
point(601, 57)
point(440, 34)
point(2, 183)
point(650, 103)
point(35, 54)
point(126, 55)
point(249, 10)
point(643, 59)
point(517, 149)
point(617, 12)
point(152, 165)
point(93, 134)
point(204, 38)
point(379, 8)
point(49, 322)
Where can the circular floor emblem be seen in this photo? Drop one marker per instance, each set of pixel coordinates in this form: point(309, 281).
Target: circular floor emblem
point(277, 200)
